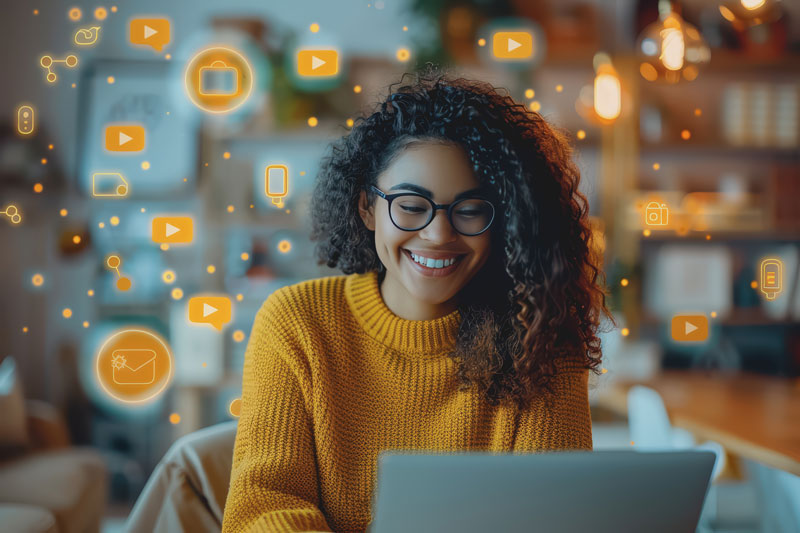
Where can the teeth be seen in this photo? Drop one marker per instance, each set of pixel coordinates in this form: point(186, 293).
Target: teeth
point(433, 263)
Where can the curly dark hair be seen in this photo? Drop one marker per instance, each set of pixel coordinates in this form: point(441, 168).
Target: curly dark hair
point(537, 302)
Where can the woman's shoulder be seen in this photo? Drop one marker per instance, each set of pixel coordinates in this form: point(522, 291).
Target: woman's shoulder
point(306, 301)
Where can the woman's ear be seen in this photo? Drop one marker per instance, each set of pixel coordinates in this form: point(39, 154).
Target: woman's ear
point(366, 211)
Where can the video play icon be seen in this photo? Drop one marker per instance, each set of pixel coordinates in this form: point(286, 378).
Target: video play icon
point(318, 63)
point(689, 328)
point(512, 45)
point(173, 230)
point(125, 138)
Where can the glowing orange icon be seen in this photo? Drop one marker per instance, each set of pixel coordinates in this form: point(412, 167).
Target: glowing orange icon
point(656, 214)
point(25, 119)
point(276, 179)
point(125, 138)
point(512, 45)
point(134, 365)
point(689, 328)
point(771, 278)
point(71, 61)
point(218, 79)
point(12, 213)
point(213, 310)
point(109, 185)
point(114, 262)
point(154, 33)
point(317, 63)
point(87, 36)
point(172, 230)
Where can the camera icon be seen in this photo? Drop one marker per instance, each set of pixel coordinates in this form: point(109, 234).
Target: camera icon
point(656, 214)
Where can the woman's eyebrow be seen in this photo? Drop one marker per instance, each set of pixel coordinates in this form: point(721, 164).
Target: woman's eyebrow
point(425, 192)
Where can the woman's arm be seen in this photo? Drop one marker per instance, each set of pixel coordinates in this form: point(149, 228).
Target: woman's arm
point(558, 421)
point(274, 477)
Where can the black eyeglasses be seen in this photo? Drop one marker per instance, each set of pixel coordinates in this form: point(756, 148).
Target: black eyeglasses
point(412, 212)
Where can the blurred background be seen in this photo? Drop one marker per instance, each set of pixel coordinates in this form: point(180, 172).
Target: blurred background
point(685, 119)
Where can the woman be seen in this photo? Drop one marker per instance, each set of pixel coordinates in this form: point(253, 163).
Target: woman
point(466, 319)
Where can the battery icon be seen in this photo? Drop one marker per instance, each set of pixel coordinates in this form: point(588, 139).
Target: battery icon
point(276, 183)
point(771, 277)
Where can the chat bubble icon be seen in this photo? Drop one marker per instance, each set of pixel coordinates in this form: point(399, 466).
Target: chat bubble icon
point(150, 32)
point(212, 310)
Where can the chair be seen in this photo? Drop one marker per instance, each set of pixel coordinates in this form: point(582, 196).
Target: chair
point(188, 487)
point(651, 429)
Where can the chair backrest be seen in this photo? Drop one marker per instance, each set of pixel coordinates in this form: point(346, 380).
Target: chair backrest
point(648, 421)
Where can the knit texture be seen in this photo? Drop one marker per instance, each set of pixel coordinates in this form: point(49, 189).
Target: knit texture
point(332, 378)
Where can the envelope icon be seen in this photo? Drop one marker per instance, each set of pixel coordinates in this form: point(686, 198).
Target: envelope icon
point(134, 366)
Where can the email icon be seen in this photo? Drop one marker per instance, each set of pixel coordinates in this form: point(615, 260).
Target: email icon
point(133, 366)
point(109, 185)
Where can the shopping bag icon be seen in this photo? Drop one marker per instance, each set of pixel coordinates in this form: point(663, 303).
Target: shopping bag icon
point(219, 79)
point(133, 367)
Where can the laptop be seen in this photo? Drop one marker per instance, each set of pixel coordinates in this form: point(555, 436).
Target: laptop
point(557, 492)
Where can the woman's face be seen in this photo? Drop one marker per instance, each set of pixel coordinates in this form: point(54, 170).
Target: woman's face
point(441, 172)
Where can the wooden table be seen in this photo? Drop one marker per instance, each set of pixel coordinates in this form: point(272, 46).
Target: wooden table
point(753, 416)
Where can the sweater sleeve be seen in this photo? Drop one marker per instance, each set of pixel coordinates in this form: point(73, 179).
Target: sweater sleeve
point(558, 421)
point(273, 484)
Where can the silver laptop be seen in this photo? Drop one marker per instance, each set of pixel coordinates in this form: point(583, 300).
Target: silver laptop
point(563, 492)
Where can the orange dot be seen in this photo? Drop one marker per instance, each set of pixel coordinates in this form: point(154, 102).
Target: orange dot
point(124, 284)
point(535, 106)
point(405, 28)
point(481, 42)
point(646, 233)
point(101, 225)
point(44, 160)
point(63, 212)
point(110, 80)
point(174, 418)
point(604, 370)
point(656, 166)
point(211, 269)
point(349, 122)
point(559, 88)
point(35, 11)
point(754, 284)
point(698, 112)
point(581, 134)
point(624, 282)
point(713, 314)
point(114, 220)
point(529, 93)
point(631, 443)
point(226, 155)
point(314, 27)
point(231, 209)
point(90, 292)
point(50, 146)
point(403, 54)
point(686, 135)
point(100, 13)
point(625, 332)
point(357, 89)
point(312, 121)
point(167, 56)
point(85, 323)
point(113, 9)
point(235, 407)
point(75, 13)
point(708, 237)
point(245, 256)
point(25, 329)
point(37, 280)
point(204, 364)
point(238, 335)
point(67, 312)
point(164, 246)
point(177, 293)
point(239, 297)
point(145, 165)
point(76, 239)
point(284, 246)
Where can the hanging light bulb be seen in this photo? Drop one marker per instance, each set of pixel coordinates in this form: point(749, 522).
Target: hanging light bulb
point(744, 13)
point(607, 101)
point(671, 48)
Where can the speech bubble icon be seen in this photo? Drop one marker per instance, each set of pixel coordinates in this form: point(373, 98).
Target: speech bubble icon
point(150, 32)
point(213, 310)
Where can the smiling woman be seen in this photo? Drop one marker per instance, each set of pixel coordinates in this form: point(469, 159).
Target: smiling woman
point(466, 319)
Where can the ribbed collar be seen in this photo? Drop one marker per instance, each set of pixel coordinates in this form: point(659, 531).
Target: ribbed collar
point(411, 337)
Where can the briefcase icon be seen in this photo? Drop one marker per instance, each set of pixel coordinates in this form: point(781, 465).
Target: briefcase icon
point(133, 367)
point(219, 79)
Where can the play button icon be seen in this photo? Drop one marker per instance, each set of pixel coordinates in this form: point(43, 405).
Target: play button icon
point(173, 230)
point(689, 328)
point(149, 32)
point(512, 45)
point(317, 63)
point(208, 310)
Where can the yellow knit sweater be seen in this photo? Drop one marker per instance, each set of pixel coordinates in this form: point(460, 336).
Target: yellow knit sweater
point(332, 377)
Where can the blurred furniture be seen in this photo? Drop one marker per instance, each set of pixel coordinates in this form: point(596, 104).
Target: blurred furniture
point(650, 429)
point(779, 493)
point(752, 416)
point(47, 485)
point(187, 490)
